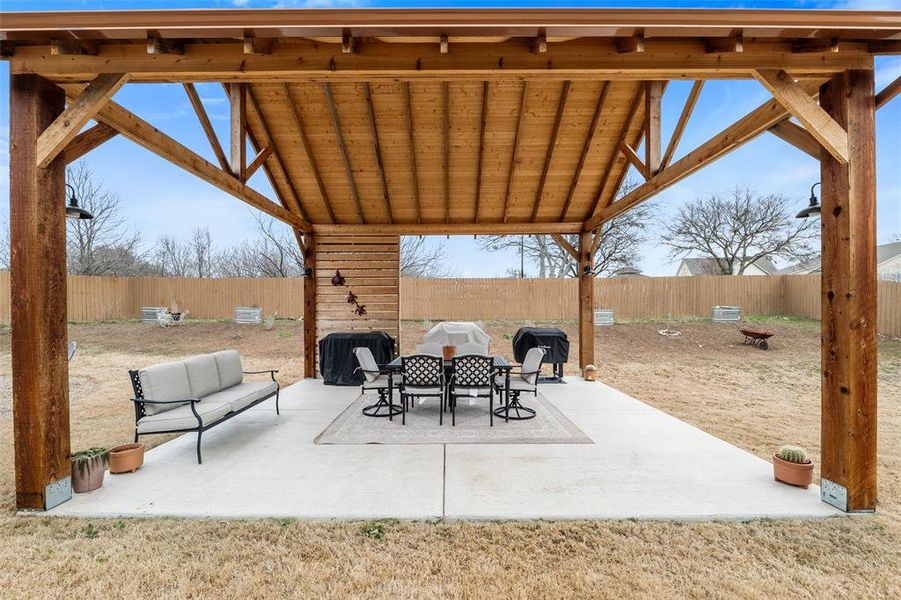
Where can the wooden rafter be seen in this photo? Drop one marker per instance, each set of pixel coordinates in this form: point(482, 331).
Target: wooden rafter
point(684, 116)
point(653, 98)
point(523, 228)
point(158, 45)
point(483, 121)
point(632, 156)
point(549, 156)
point(339, 136)
point(408, 114)
point(82, 109)
point(733, 43)
point(608, 168)
point(295, 204)
point(146, 135)
point(745, 129)
point(370, 109)
point(206, 125)
point(586, 148)
point(88, 140)
point(888, 92)
point(258, 160)
point(257, 45)
point(798, 137)
point(308, 152)
point(816, 121)
point(520, 119)
point(447, 151)
point(237, 99)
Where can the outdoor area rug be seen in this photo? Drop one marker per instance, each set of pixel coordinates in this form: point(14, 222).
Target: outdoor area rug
point(550, 426)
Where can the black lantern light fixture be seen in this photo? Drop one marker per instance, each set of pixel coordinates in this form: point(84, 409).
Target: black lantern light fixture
point(813, 208)
point(73, 211)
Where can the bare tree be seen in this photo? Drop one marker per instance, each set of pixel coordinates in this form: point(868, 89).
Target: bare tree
point(201, 248)
point(740, 229)
point(274, 253)
point(4, 246)
point(618, 247)
point(103, 245)
point(172, 258)
point(417, 259)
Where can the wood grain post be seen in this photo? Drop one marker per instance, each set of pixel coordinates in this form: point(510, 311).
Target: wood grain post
point(309, 307)
point(586, 300)
point(848, 430)
point(38, 299)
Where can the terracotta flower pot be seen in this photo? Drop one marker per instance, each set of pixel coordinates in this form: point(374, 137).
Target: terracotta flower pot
point(799, 474)
point(448, 352)
point(589, 375)
point(89, 479)
point(126, 458)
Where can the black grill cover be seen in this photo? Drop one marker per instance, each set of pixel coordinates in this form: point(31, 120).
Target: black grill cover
point(553, 340)
point(336, 355)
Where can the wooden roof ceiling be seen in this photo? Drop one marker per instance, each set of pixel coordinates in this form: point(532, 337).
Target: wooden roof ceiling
point(449, 152)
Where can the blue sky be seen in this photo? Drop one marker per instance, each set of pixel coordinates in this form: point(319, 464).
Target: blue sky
point(159, 198)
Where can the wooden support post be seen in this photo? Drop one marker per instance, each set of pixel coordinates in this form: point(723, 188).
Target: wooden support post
point(309, 307)
point(40, 375)
point(237, 96)
point(586, 300)
point(848, 417)
point(652, 101)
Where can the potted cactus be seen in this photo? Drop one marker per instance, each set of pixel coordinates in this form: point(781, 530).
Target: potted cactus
point(88, 467)
point(791, 466)
point(589, 373)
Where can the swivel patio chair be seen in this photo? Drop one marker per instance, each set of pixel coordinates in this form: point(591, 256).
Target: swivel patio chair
point(422, 376)
point(472, 379)
point(378, 380)
point(523, 381)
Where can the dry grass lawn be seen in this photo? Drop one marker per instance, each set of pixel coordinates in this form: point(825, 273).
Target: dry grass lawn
point(754, 399)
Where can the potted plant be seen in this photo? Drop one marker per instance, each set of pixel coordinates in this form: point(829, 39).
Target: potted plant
point(791, 466)
point(589, 373)
point(88, 467)
point(126, 458)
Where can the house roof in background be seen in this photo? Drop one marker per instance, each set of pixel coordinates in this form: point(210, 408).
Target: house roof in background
point(884, 253)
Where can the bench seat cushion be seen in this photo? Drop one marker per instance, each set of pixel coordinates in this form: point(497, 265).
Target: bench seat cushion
point(162, 382)
point(183, 418)
point(243, 394)
point(230, 370)
point(203, 375)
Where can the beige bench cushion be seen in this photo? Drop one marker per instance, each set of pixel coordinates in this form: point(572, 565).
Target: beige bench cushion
point(203, 375)
point(239, 396)
point(165, 381)
point(230, 370)
point(183, 418)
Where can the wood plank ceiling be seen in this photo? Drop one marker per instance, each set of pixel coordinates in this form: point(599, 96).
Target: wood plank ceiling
point(449, 151)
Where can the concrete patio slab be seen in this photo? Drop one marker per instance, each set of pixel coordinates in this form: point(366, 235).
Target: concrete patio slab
point(643, 464)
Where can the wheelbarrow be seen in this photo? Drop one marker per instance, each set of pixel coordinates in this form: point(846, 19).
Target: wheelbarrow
point(756, 336)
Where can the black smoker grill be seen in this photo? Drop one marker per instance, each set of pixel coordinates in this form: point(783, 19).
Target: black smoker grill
point(337, 363)
point(554, 342)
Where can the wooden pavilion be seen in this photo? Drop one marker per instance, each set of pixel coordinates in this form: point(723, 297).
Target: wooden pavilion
point(370, 124)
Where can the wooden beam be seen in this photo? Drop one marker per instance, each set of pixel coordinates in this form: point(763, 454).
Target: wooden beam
point(156, 45)
point(745, 129)
point(37, 227)
point(408, 113)
point(724, 45)
point(549, 155)
point(586, 300)
point(653, 98)
point(561, 241)
point(339, 136)
point(443, 45)
point(66, 126)
point(146, 135)
point(305, 60)
point(348, 42)
point(817, 45)
point(378, 150)
point(73, 47)
point(483, 121)
point(632, 156)
point(308, 152)
point(396, 228)
point(630, 45)
point(798, 137)
point(888, 92)
point(596, 241)
point(539, 44)
point(849, 354)
point(206, 125)
point(261, 157)
point(684, 116)
point(258, 46)
point(237, 99)
point(819, 124)
point(608, 168)
point(309, 307)
point(586, 148)
point(514, 160)
point(447, 151)
point(88, 140)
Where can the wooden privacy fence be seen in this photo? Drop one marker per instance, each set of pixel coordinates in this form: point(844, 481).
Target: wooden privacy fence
point(94, 298)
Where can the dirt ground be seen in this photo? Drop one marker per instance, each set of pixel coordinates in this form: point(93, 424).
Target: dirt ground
point(752, 398)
